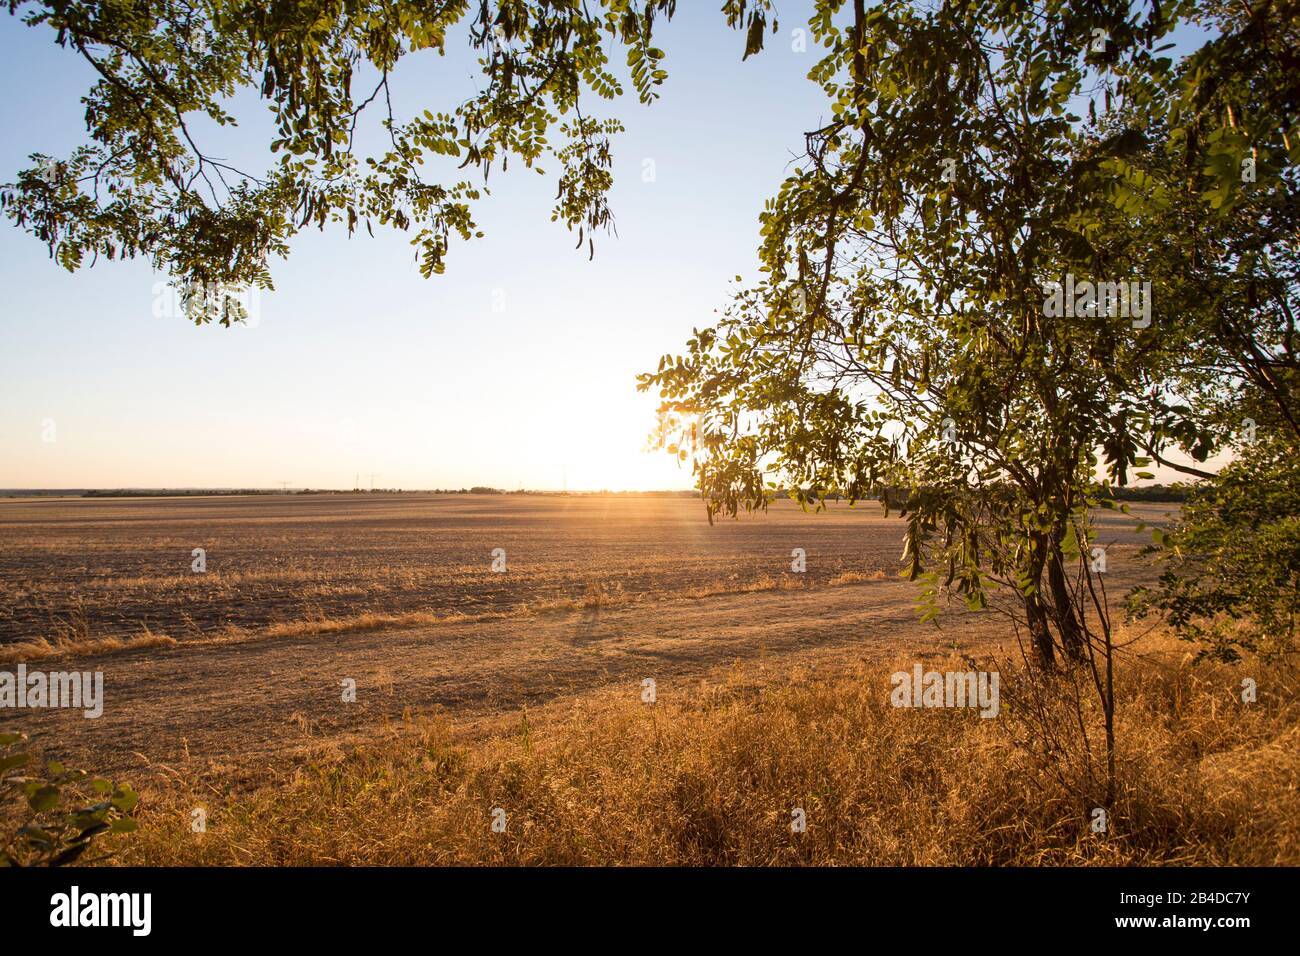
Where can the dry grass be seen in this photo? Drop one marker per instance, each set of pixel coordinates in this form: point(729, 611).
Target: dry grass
point(712, 777)
point(41, 649)
point(74, 639)
point(788, 582)
point(368, 621)
point(857, 577)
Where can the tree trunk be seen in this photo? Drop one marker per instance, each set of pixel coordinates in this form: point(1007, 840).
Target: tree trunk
point(1067, 621)
point(1040, 634)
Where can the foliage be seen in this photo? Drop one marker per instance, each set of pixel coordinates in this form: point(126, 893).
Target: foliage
point(1220, 157)
point(902, 336)
point(169, 70)
point(56, 815)
point(1232, 579)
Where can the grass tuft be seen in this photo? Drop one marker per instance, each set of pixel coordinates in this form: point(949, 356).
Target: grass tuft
point(41, 648)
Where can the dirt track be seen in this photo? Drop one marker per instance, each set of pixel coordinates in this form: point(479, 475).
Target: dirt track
point(255, 701)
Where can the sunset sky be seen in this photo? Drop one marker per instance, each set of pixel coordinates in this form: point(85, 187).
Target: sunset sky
point(357, 365)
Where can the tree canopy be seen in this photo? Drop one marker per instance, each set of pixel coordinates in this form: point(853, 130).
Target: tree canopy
point(146, 185)
point(1038, 247)
point(1025, 253)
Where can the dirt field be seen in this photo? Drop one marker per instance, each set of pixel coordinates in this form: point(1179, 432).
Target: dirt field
point(112, 566)
point(598, 593)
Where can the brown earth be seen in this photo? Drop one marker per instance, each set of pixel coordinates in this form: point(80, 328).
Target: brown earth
point(600, 593)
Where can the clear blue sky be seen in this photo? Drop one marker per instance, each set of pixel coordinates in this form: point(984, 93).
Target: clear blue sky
point(357, 364)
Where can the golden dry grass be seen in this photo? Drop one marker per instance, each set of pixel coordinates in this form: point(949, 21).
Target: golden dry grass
point(368, 621)
point(856, 577)
point(41, 649)
point(75, 639)
point(712, 778)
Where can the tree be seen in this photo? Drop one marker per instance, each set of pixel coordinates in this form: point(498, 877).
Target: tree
point(145, 186)
point(1015, 268)
point(1219, 160)
point(1232, 575)
point(911, 331)
point(920, 333)
point(1225, 173)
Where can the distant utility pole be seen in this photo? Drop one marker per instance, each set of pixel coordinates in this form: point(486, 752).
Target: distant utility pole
point(372, 480)
point(284, 487)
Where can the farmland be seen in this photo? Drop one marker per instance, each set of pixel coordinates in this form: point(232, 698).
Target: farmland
point(108, 567)
point(350, 681)
point(397, 593)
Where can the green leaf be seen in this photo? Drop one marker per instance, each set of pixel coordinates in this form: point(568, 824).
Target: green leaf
point(13, 760)
point(125, 799)
point(45, 798)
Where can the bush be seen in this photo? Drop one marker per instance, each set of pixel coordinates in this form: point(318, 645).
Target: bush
point(1232, 575)
point(52, 819)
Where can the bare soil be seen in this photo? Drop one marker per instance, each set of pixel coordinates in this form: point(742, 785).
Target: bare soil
point(599, 594)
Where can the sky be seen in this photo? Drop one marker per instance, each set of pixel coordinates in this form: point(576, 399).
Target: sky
point(517, 368)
